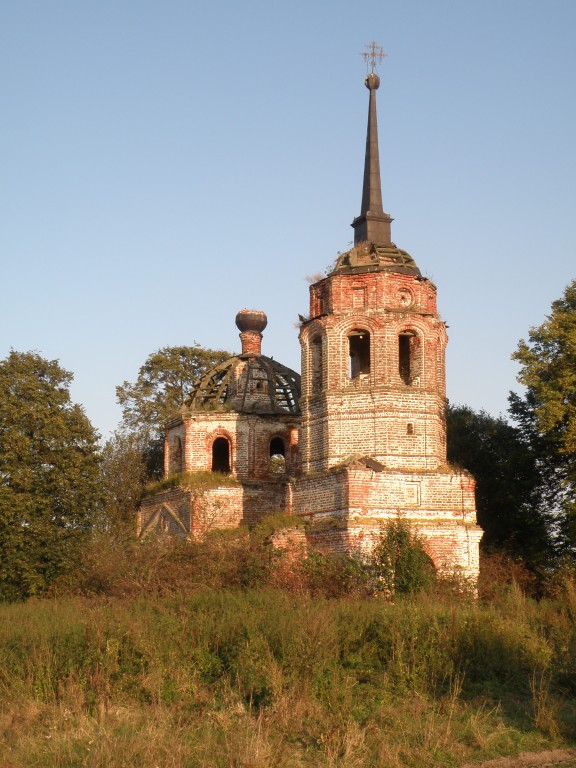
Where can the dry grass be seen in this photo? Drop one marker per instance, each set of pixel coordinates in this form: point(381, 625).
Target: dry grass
point(227, 675)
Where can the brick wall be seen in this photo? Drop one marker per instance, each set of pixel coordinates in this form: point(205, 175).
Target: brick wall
point(195, 512)
point(347, 508)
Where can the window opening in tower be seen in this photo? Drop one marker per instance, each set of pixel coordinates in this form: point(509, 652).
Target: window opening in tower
point(175, 456)
point(359, 348)
point(409, 357)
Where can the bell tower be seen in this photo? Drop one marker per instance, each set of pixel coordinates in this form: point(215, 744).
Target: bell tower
point(373, 381)
point(373, 431)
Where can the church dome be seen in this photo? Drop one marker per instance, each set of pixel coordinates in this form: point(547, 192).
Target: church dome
point(249, 382)
point(370, 257)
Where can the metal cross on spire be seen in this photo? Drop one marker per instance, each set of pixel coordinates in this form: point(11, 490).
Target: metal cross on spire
point(373, 55)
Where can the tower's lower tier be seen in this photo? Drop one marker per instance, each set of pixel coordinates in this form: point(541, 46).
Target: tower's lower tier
point(347, 508)
point(402, 428)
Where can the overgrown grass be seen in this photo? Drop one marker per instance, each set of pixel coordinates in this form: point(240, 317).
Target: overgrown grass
point(191, 481)
point(223, 672)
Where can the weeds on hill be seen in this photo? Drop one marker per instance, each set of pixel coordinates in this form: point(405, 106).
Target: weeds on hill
point(261, 677)
point(227, 652)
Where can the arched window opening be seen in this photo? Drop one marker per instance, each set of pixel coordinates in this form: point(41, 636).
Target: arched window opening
point(221, 455)
point(409, 357)
point(317, 364)
point(404, 357)
point(277, 463)
point(359, 349)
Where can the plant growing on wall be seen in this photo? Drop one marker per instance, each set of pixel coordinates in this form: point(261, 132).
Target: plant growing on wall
point(399, 560)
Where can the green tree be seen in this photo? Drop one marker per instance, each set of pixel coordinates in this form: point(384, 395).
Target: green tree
point(49, 475)
point(511, 484)
point(124, 474)
point(548, 408)
point(163, 383)
point(548, 371)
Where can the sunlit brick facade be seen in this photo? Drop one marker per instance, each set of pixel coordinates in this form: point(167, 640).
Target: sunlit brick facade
point(360, 439)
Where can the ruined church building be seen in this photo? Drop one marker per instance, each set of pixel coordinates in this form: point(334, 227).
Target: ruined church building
point(360, 439)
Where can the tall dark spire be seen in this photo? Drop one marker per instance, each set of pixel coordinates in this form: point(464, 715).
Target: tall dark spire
point(372, 224)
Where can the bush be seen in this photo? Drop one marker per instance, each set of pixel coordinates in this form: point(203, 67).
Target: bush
point(399, 561)
point(164, 565)
point(334, 575)
point(122, 565)
point(499, 571)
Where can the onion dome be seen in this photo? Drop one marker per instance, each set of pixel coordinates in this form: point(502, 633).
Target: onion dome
point(249, 382)
point(251, 323)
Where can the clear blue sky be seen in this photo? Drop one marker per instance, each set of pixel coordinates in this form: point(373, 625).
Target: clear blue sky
point(165, 164)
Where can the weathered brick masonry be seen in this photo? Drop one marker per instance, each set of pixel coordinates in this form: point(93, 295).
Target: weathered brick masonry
point(360, 439)
point(194, 512)
point(394, 408)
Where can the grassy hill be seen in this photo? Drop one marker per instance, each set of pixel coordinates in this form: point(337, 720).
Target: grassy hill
point(218, 673)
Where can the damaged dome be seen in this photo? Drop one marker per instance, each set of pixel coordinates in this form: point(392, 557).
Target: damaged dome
point(249, 382)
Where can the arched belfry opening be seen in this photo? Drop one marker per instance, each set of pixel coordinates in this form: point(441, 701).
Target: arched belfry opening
point(359, 351)
point(221, 455)
point(409, 357)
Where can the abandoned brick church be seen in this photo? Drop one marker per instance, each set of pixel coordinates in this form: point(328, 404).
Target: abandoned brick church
point(360, 439)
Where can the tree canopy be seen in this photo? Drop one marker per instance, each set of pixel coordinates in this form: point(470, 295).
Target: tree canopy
point(548, 371)
point(511, 484)
point(547, 410)
point(163, 383)
point(124, 475)
point(49, 474)
point(526, 471)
